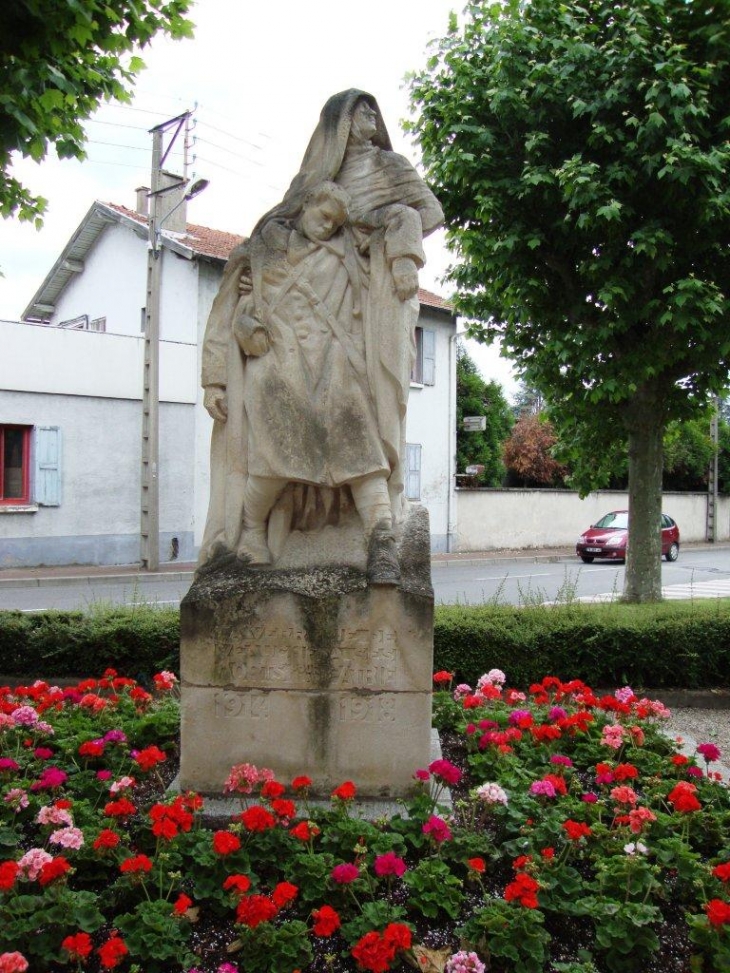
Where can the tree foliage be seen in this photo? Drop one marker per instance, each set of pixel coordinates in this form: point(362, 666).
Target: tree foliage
point(581, 153)
point(528, 453)
point(58, 60)
point(688, 453)
point(476, 397)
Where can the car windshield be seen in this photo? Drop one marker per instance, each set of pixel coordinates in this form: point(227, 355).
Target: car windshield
point(618, 521)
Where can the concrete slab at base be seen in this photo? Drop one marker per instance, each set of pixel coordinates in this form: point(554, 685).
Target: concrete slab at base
point(309, 672)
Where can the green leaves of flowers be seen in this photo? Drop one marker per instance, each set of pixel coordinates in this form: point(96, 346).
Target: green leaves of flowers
point(434, 888)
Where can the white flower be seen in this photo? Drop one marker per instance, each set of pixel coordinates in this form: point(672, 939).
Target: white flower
point(633, 847)
point(491, 793)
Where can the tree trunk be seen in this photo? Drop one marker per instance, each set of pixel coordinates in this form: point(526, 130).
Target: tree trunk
point(645, 423)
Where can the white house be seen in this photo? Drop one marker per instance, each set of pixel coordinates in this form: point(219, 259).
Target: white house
point(71, 392)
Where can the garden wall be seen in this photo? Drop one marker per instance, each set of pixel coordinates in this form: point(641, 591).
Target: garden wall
point(491, 519)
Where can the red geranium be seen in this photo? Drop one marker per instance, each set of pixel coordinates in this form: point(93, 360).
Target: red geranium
point(255, 909)
point(182, 904)
point(272, 789)
point(345, 792)
point(112, 952)
point(301, 783)
point(239, 884)
point(283, 808)
point(149, 757)
point(283, 894)
point(721, 871)
point(138, 863)
point(477, 864)
point(106, 839)
point(443, 676)
point(524, 889)
point(119, 809)
point(8, 873)
point(304, 831)
point(682, 797)
point(625, 772)
point(576, 830)
point(718, 912)
point(78, 947)
point(373, 953)
point(257, 818)
point(225, 842)
point(326, 921)
point(56, 868)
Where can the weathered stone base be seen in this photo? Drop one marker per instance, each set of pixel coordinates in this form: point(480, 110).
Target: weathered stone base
point(310, 672)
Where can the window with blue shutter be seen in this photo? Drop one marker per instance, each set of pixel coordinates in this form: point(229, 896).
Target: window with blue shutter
point(413, 471)
point(48, 466)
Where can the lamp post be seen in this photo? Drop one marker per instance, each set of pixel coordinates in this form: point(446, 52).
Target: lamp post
point(150, 496)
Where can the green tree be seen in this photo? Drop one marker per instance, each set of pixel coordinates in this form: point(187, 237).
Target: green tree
point(475, 397)
point(688, 453)
point(58, 60)
point(581, 153)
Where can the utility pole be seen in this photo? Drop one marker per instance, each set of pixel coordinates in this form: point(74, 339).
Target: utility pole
point(712, 478)
point(150, 483)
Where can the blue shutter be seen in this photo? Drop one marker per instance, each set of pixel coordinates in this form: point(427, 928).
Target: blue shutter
point(413, 471)
point(47, 481)
point(429, 357)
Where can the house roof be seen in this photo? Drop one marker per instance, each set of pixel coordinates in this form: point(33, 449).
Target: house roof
point(198, 242)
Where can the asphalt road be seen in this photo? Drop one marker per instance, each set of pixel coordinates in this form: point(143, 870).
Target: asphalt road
point(699, 573)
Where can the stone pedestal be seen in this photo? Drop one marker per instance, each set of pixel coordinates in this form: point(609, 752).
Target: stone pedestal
point(310, 671)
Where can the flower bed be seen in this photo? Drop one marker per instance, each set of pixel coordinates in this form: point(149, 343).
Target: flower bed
point(580, 840)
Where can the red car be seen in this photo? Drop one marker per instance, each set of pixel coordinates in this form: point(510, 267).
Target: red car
point(607, 538)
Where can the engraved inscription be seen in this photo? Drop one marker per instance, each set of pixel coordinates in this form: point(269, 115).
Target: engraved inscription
point(377, 709)
point(250, 706)
point(275, 655)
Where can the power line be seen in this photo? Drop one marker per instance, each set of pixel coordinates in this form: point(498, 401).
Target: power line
point(137, 128)
point(254, 162)
point(229, 135)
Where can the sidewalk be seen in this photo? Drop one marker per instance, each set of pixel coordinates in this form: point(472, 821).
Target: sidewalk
point(180, 570)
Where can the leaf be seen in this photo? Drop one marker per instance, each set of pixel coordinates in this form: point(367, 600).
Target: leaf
point(427, 960)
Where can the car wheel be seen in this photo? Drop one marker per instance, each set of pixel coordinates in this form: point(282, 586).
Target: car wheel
point(586, 559)
point(673, 552)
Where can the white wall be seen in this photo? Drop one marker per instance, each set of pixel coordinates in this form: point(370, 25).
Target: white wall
point(522, 519)
point(113, 285)
point(36, 358)
point(431, 422)
point(97, 520)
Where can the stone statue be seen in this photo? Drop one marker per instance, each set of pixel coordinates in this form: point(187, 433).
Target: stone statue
point(309, 348)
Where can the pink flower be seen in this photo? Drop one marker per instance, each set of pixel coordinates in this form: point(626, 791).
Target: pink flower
point(446, 771)
point(50, 814)
point(51, 778)
point(709, 751)
point(589, 797)
point(624, 795)
point(437, 828)
point(17, 798)
point(463, 962)
point(562, 761)
point(13, 963)
point(491, 793)
point(345, 873)
point(389, 864)
point(422, 775)
point(463, 689)
point(625, 695)
point(25, 716)
point(542, 788)
point(613, 736)
point(33, 861)
point(8, 765)
point(68, 838)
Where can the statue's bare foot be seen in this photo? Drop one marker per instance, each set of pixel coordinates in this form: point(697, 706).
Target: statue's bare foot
point(383, 567)
point(253, 548)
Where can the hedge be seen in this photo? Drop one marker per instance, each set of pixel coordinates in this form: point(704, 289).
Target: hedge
point(672, 644)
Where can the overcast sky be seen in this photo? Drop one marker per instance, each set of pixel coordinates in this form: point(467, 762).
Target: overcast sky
point(257, 75)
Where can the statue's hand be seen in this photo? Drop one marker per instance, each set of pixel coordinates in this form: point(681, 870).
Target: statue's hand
point(245, 284)
point(405, 277)
point(215, 401)
point(256, 343)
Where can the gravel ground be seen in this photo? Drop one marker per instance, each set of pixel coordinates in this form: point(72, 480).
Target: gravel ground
point(696, 725)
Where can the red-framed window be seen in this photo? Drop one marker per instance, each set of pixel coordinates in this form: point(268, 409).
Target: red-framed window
point(14, 464)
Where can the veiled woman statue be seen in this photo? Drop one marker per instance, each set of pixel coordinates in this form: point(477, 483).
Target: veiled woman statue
point(309, 348)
